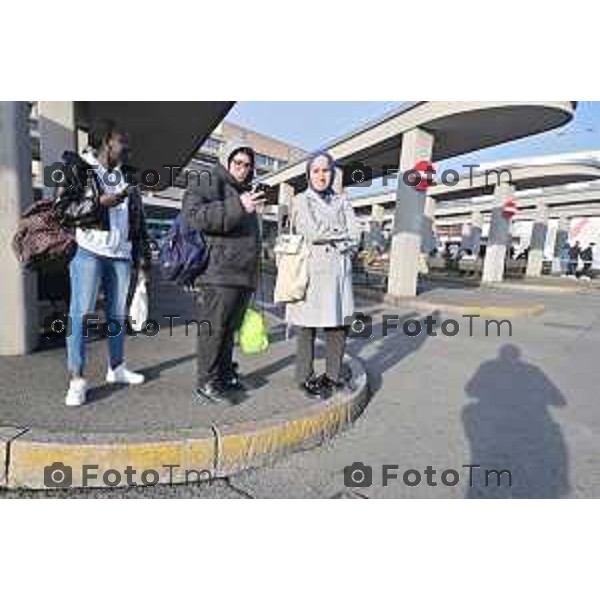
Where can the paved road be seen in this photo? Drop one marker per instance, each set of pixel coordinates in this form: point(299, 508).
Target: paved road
point(526, 403)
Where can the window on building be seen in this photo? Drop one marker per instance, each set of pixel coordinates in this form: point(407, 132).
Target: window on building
point(262, 160)
point(212, 145)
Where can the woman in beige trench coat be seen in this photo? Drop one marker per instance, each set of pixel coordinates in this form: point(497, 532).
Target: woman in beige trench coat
point(327, 222)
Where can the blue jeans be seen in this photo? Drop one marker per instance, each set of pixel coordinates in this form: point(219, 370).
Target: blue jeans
point(87, 270)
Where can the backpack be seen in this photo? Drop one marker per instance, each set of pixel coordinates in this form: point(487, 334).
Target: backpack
point(40, 237)
point(184, 255)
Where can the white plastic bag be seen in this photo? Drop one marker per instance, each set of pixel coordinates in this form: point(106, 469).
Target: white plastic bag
point(139, 305)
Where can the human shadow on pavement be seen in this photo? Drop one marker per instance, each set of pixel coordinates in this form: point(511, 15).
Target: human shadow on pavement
point(155, 371)
point(510, 427)
point(380, 354)
point(101, 392)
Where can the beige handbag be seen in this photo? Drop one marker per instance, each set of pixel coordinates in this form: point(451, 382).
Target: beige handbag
point(291, 252)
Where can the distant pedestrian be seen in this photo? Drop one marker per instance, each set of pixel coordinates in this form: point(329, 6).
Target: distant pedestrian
point(574, 253)
point(587, 256)
point(564, 259)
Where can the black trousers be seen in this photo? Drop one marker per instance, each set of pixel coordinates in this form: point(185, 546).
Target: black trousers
point(335, 345)
point(587, 268)
point(223, 308)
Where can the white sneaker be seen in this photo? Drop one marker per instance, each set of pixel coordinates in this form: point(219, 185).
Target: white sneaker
point(76, 393)
point(123, 375)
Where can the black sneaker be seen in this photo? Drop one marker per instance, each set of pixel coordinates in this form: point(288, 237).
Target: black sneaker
point(313, 388)
point(212, 391)
point(344, 384)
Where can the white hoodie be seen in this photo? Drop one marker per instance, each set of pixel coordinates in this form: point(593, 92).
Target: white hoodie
point(113, 243)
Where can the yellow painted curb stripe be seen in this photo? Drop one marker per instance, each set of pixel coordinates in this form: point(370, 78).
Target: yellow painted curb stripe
point(29, 458)
point(243, 450)
point(220, 453)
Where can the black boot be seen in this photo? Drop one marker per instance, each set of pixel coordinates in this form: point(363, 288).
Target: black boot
point(343, 384)
point(314, 388)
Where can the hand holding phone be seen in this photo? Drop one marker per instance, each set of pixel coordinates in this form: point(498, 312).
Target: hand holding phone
point(251, 200)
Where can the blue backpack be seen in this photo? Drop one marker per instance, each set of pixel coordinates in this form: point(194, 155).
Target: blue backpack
point(184, 255)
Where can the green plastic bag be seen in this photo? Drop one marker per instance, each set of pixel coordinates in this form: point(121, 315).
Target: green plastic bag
point(253, 335)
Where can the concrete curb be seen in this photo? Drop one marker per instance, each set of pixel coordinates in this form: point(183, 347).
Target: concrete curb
point(490, 311)
point(217, 451)
point(7, 435)
point(532, 285)
point(541, 288)
point(483, 310)
point(34, 451)
point(256, 444)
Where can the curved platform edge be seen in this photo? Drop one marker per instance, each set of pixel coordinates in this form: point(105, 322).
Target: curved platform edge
point(30, 457)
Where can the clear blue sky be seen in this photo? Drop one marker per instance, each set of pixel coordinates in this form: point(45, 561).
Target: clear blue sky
point(311, 125)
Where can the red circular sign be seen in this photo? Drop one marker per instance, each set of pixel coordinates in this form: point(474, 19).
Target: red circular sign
point(509, 209)
point(425, 168)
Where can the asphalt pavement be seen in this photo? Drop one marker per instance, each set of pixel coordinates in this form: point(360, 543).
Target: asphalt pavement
point(483, 413)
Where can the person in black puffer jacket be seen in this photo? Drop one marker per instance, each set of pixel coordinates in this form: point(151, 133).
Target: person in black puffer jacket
point(220, 203)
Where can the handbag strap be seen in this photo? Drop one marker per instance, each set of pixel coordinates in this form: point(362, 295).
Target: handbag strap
point(294, 214)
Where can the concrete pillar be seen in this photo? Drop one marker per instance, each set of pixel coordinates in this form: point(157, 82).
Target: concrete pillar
point(476, 227)
point(286, 193)
point(57, 132)
point(498, 237)
point(465, 236)
point(377, 214)
point(535, 258)
point(560, 239)
point(408, 221)
point(427, 227)
point(18, 299)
